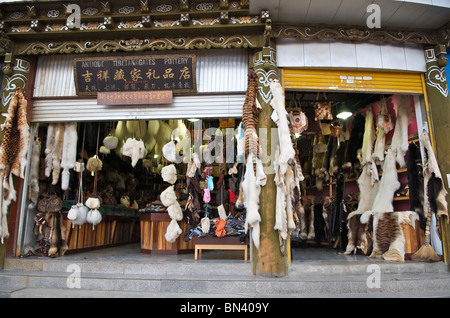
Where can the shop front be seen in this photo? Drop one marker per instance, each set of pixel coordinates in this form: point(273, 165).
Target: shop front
point(362, 123)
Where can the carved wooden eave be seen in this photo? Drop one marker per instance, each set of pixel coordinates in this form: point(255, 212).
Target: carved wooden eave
point(358, 33)
point(131, 25)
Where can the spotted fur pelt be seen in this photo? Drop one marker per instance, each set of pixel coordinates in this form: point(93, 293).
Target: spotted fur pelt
point(13, 150)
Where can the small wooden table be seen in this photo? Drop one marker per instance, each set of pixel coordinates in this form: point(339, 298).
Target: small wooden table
point(219, 243)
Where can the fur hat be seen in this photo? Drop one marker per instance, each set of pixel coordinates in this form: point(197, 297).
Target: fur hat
point(175, 211)
point(173, 231)
point(93, 203)
point(168, 197)
point(110, 142)
point(94, 217)
point(169, 174)
point(94, 164)
point(169, 151)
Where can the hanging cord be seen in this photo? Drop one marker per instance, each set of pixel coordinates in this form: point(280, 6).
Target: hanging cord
point(96, 155)
point(79, 195)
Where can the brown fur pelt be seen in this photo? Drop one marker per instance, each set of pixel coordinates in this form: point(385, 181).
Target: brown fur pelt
point(250, 113)
point(359, 236)
point(388, 239)
point(13, 151)
point(50, 234)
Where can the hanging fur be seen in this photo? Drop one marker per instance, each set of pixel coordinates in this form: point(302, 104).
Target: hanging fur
point(400, 138)
point(355, 142)
point(380, 144)
point(56, 155)
point(173, 231)
point(389, 183)
point(134, 149)
point(34, 172)
point(169, 174)
point(415, 179)
point(251, 189)
point(435, 192)
point(94, 164)
point(168, 196)
point(367, 192)
point(279, 116)
point(93, 215)
point(13, 150)
point(175, 212)
point(250, 113)
point(110, 142)
point(69, 153)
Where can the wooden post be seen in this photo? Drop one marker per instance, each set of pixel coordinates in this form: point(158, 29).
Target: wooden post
point(439, 117)
point(267, 260)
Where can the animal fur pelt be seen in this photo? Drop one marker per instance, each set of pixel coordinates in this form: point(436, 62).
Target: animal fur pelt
point(284, 218)
point(69, 153)
point(307, 218)
point(251, 189)
point(388, 185)
point(135, 149)
point(384, 125)
point(367, 147)
point(415, 178)
point(279, 116)
point(250, 113)
point(400, 138)
point(357, 235)
point(169, 174)
point(34, 172)
point(435, 192)
point(355, 142)
point(51, 232)
point(53, 151)
point(388, 239)
point(13, 150)
point(380, 142)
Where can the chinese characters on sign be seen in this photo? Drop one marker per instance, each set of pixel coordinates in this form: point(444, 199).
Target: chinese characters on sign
point(138, 73)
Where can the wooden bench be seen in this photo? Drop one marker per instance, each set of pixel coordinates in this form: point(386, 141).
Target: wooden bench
point(219, 243)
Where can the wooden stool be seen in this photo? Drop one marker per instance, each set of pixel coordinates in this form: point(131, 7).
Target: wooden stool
point(200, 247)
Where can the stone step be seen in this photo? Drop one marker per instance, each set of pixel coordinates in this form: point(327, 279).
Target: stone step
point(217, 268)
point(238, 285)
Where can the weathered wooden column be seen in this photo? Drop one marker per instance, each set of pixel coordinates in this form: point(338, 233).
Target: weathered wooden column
point(439, 114)
point(15, 76)
point(267, 260)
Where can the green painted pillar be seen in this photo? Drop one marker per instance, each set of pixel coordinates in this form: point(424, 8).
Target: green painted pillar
point(439, 114)
point(267, 260)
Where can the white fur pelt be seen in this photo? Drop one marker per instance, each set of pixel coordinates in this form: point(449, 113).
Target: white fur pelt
point(251, 187)
point(284, 210)
point(400, 138)
point(169, 199)
point(367, 194)
point(169, 174)
point(367, 147)
point(280, 117)
point(69, 153)
point(380, 143)
point(135, 149)
point(53, 151)
point(34, 172)
point(388, 185)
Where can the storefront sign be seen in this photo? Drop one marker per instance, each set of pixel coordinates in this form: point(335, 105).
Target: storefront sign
point(134, 98)
point(138, 73)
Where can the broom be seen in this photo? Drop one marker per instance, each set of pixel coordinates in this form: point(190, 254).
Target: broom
point(426, 253)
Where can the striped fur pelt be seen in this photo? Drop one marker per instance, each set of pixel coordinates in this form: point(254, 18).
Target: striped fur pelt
point(388, 239)
point(250, 113)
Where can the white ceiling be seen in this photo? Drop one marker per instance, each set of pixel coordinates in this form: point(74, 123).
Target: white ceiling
point(399, 14)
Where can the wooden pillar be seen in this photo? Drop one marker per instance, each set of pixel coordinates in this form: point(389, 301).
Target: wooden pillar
point(267, 260)
point(16, 76)
point(439, 115)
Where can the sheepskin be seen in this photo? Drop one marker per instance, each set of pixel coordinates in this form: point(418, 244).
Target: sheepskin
point(168, 196)
point(389, 183)
point(251, 190)
point(69, 153)
point(400, 138)
point(175, 212)
point(173, 231)
point(279, 116)
point(135, 149)
point(169, 174)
